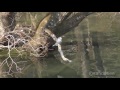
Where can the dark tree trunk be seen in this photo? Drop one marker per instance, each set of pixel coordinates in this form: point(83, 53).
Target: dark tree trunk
point(59, 23)
point(66, 23)
point(8, 20)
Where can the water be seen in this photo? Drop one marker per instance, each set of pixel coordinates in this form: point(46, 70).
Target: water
point(93, 46)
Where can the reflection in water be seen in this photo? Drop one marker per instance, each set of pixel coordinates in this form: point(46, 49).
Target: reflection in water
point(48, 67)
point(93, 46)
point(82, 55)
point(99, 61)
point(55, 69)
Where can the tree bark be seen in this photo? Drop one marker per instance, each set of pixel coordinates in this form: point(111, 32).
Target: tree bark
point(8, 20)
point(66, 23)
point(57, 23)
point(7, 23)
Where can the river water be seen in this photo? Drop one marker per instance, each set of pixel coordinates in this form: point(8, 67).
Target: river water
point(93, 46)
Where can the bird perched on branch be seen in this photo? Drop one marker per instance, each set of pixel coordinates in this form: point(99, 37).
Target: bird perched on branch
point(58, 41)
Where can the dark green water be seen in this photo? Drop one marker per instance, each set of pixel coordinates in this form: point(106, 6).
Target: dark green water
point(101, 59)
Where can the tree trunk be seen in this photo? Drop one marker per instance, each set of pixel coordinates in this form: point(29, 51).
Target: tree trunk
point(67, 22)
point(7, 23)
point(57, 23)
point(8, 20)
point(2, 30)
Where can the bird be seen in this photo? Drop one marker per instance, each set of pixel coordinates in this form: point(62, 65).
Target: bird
point(58, 41)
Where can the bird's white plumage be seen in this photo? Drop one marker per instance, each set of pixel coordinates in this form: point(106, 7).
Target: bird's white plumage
point(58, 41)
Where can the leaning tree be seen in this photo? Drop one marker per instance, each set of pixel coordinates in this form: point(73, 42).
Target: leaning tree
point(37, 39)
